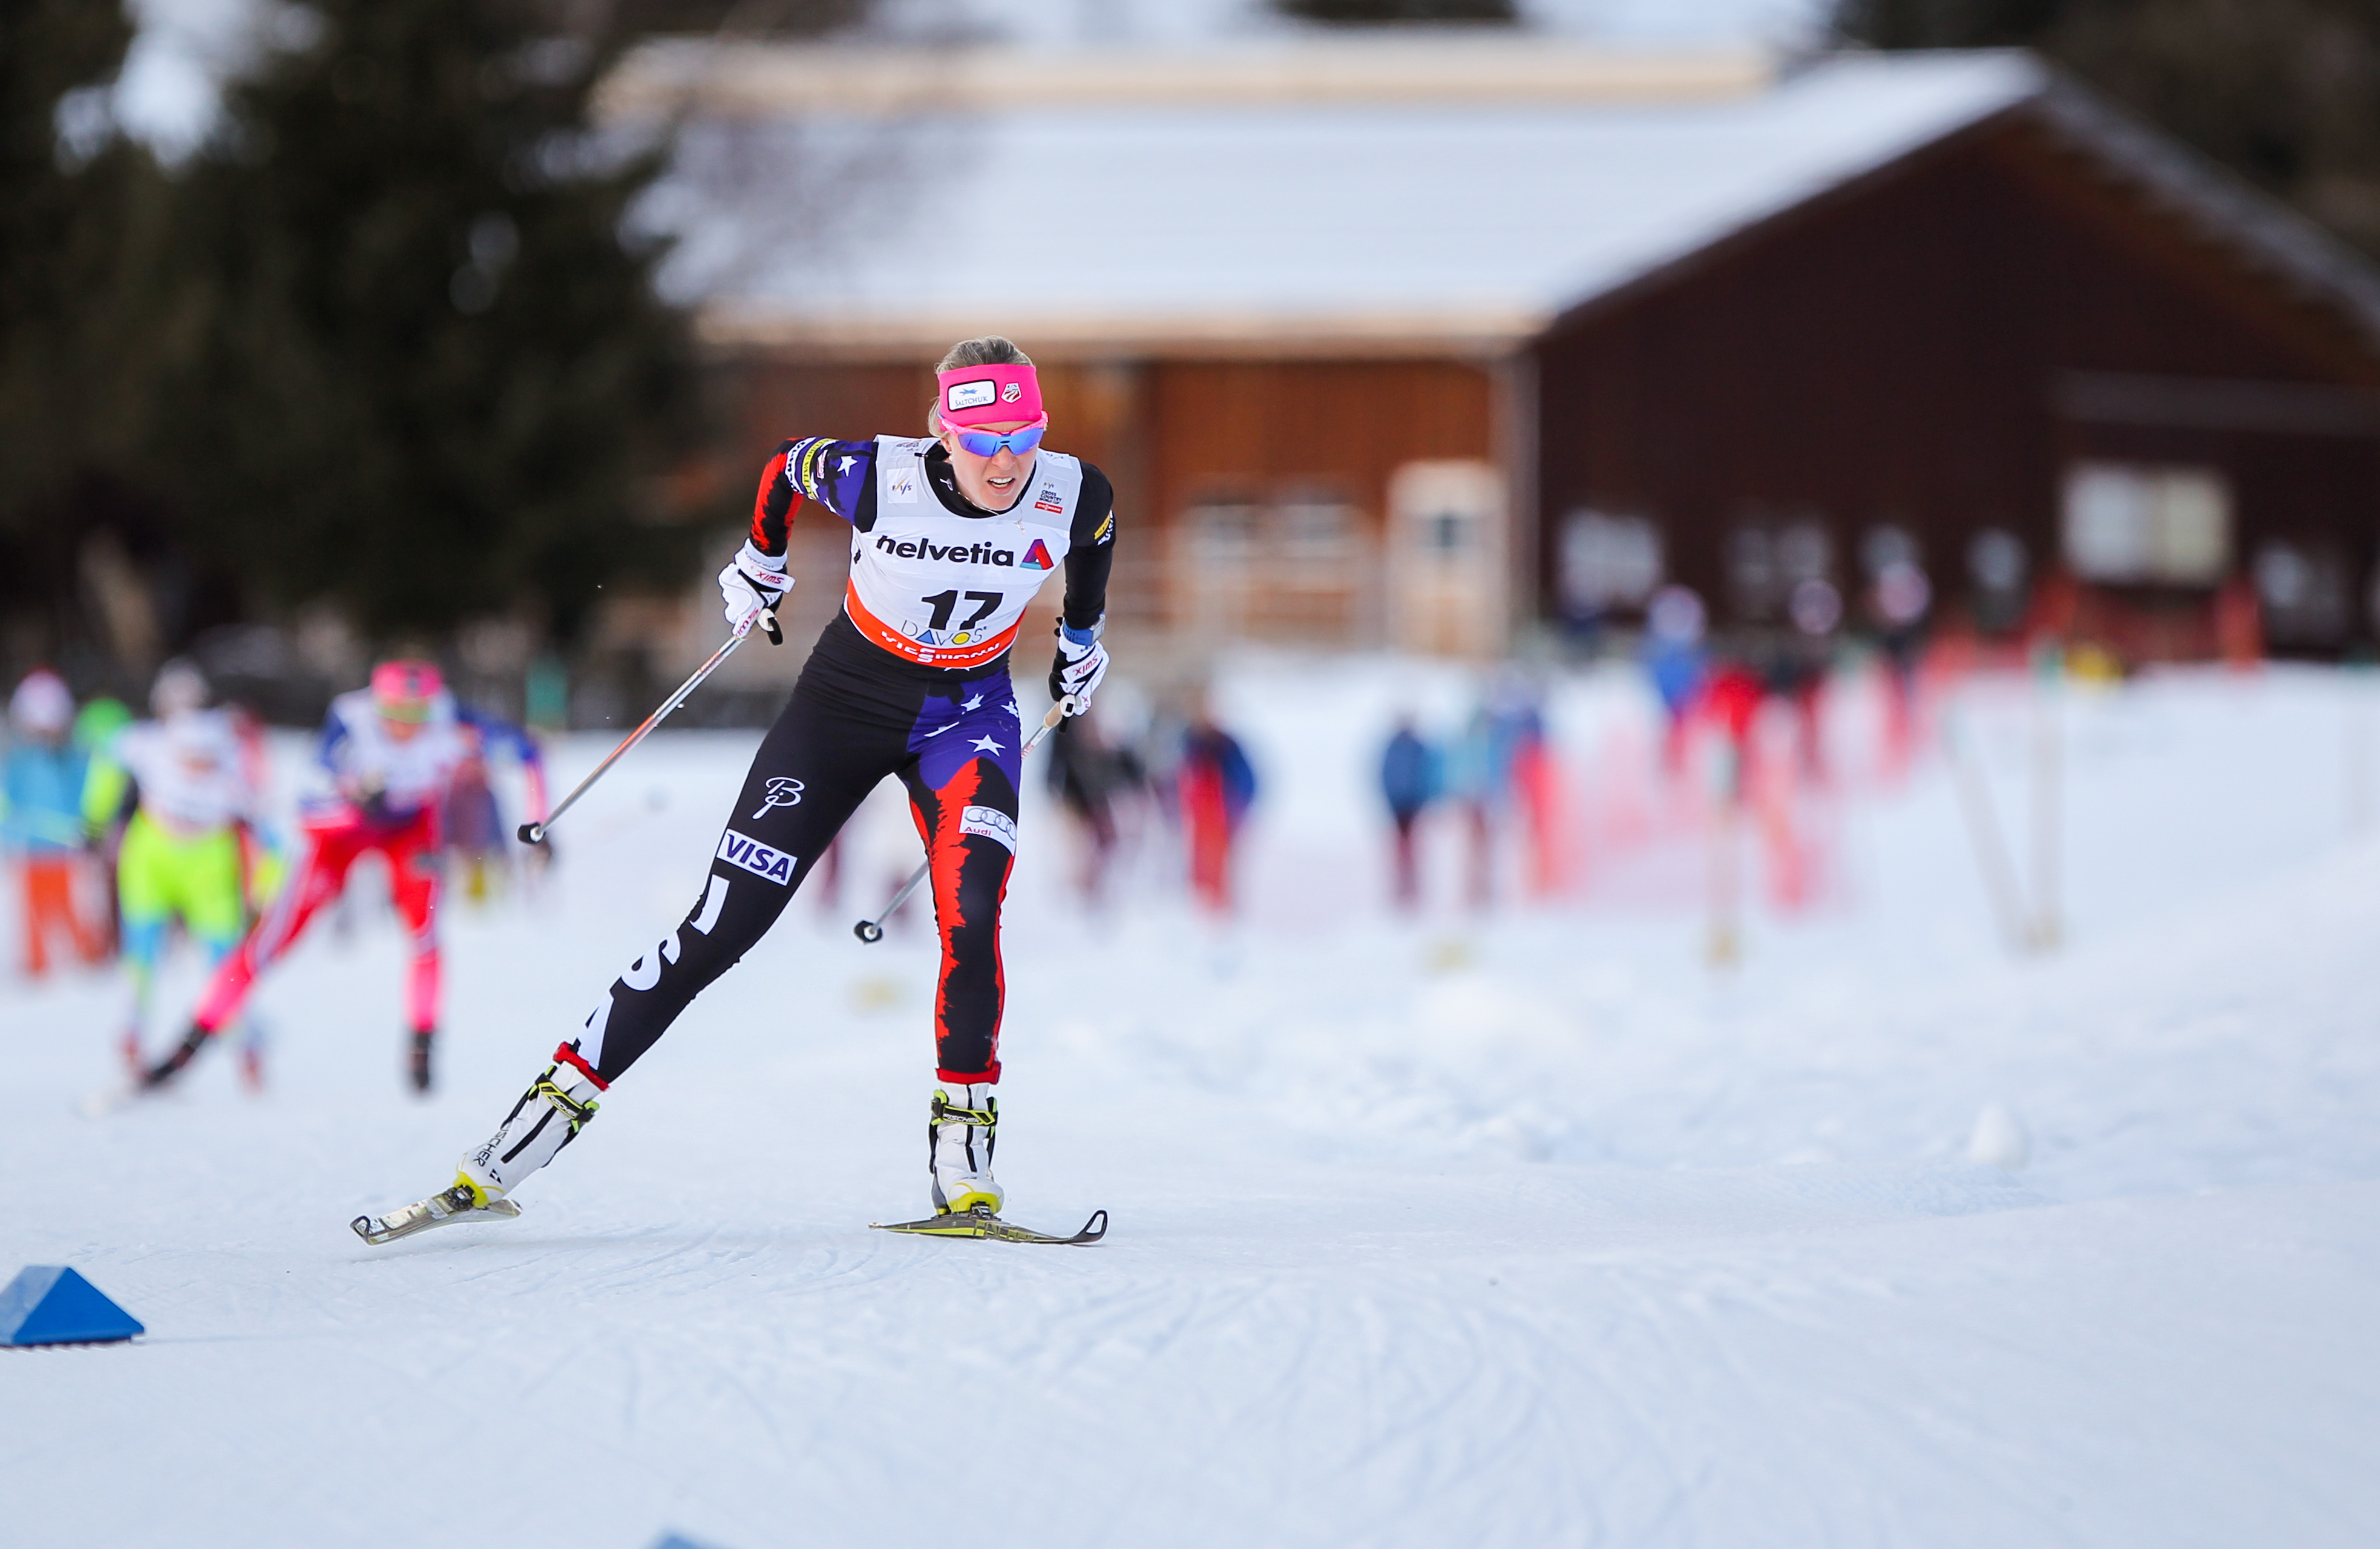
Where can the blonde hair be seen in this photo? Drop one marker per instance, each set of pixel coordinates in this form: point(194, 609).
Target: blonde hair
point(992, 350)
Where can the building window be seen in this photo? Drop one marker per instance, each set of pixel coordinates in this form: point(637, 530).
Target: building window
point(2302, 589)
point(1766, 561)
point(1314, 525)
point(1997, 563)
point(2136, 524)
point(1447, 533)
point(1608, 562)
point(1292, 563)
point(1752, 572)
point(1223, 530)
point(1886, 545)
point(1805, 552)
point(1996, 560)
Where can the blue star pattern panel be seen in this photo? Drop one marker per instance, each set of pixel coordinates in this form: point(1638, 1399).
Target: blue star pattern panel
point(951, 732)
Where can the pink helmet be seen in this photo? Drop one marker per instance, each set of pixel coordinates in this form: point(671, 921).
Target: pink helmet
point(404, 691)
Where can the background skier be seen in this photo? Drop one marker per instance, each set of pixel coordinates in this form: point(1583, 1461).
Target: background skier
point(186, 853)
point(1217, 785)
point(105, 809)
point(1090, 775)
point(475, 829)
point(40, 816)
point(387, 756)
point(1409, 778)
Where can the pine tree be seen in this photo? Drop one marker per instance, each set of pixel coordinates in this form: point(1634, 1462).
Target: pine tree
point(86, 323)
point(437, 381)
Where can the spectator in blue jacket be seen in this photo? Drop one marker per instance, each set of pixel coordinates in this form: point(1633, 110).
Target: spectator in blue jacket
point(41, 814)
point(1409, 781)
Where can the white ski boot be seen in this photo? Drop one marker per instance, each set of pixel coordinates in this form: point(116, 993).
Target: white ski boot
point(959, 1141)
point(548, 1117)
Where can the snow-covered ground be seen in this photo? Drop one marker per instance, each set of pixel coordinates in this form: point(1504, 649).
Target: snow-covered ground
point(1524, 1230)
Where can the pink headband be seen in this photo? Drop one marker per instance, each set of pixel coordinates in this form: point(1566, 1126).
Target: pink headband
point(989, 394)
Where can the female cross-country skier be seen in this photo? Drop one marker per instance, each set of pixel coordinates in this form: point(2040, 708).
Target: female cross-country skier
point(387, 756)
point(951, 534)
point(192, 851)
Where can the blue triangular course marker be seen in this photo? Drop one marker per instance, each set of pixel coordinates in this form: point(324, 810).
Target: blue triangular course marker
point(50, 1304)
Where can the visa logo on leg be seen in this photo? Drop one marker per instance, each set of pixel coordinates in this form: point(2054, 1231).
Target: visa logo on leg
point(737, 849)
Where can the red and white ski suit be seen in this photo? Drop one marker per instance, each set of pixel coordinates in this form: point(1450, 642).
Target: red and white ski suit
point(384, 795)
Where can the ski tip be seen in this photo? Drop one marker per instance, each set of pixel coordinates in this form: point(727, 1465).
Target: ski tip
point(362, 1225)
point(1094, 1228)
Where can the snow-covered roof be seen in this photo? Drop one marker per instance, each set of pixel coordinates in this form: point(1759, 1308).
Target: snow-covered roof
point(1341, 223)
point(1372, 208)
point(2259, 230)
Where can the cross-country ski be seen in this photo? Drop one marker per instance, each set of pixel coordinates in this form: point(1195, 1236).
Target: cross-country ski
point(446, 1209)
point(981, 1223)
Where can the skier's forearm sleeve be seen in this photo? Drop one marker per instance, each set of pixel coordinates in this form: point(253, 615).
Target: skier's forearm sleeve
point(1092, 552)
point(773, 507)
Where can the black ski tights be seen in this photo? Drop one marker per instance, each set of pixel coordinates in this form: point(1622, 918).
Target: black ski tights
point(857, 715)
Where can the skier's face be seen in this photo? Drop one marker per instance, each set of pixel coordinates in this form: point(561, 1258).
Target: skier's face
point(995, 482)
point(400, 731)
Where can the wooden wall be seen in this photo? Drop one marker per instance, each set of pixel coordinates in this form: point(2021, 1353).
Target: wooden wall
point(1893, 352)
point(1170, 434)
point(1284, 436)
point(1262, 424)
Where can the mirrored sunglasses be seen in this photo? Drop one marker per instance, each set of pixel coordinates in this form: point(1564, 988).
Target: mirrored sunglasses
point(984, 443)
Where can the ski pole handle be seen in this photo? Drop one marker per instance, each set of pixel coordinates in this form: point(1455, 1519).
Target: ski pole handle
point(1058, 712)
point(872, 931)
point(534, 832)
point(767, 614)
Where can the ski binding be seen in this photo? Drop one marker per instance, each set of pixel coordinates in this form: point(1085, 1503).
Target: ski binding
point(981, 1223)
point(439, 1210)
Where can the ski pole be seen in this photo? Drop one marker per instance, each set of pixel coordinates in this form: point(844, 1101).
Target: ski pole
point(873, 929)
point(534, 832)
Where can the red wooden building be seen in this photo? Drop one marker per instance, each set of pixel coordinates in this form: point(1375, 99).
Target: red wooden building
point(1446, 344)
point(2048, 347)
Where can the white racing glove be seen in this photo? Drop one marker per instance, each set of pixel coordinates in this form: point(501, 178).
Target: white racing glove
point(751, 581)
point(1082, 662)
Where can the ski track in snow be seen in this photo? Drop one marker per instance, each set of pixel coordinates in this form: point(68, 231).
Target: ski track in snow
point(1565, 1240)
